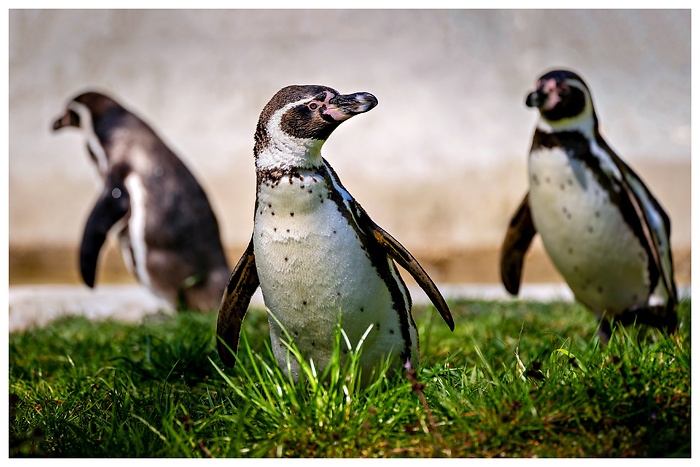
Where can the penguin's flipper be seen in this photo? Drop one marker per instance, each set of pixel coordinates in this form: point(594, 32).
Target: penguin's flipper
point(112, 206)
point(656, 224)
point(519, 235)
point(406, 260)
point(234, 304)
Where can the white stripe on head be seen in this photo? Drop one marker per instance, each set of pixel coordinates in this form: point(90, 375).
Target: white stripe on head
point(285, 150)
point(92, 141)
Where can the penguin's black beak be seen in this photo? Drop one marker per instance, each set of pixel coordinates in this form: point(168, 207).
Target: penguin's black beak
point(58, 124)
point(69, 118)
point(552, 91)
point(345, 106)
point(536, 98)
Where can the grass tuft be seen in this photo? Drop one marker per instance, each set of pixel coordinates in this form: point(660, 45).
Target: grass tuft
point(515, 379)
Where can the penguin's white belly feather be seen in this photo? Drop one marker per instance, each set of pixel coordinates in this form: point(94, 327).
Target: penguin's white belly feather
point(312, 268)
point(585, 234)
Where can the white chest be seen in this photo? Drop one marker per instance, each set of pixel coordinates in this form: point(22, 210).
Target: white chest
point(313, 268)
point(585, 234)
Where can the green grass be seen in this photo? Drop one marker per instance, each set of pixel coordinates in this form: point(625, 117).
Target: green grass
point(514, 380)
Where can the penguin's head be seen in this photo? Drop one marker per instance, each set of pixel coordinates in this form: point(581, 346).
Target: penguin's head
point(564, 101)
point(93, 113)
point(299, 119)
point(86, 110)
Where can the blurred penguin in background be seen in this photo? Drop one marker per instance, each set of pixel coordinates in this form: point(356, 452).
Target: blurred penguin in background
point(168, 233)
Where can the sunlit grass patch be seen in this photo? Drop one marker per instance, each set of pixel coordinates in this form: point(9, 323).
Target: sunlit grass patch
point(515, 379)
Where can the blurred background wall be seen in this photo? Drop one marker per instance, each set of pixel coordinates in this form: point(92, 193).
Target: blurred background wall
point(440, 163)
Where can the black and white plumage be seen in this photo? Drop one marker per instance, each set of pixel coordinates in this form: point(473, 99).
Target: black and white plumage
point(315, 252)
point(168, 233)
point(600, 225)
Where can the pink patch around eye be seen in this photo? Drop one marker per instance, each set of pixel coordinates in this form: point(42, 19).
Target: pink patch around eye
point(331, 110)
point(336, 114)
point(552, 100)
point(550, 85)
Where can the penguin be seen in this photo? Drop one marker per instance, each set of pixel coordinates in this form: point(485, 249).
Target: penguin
point(600, 225)
point(168, 233)
point(317, 256)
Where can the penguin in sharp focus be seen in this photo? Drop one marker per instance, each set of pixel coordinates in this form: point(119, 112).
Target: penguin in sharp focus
point(314, 252)
point(168, 234)
point(600, 225)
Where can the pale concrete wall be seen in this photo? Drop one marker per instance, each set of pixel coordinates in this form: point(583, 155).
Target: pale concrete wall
point(440, 162)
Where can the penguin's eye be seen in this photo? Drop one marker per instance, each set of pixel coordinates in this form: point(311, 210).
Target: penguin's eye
point(313, 106)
